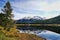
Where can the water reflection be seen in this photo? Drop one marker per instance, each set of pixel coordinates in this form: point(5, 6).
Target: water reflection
point(49, 35)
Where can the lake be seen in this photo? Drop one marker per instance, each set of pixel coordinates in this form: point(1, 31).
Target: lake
point(49, 35)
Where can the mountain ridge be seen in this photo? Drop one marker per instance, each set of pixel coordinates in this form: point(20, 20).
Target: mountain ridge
point(39, 20)
point(29, 19)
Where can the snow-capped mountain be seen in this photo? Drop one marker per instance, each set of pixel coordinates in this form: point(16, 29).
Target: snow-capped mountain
point(34, 17)
point(29, 19)
point(26, 18)
point(37, 18)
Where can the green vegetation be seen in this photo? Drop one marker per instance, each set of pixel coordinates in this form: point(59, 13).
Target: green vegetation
point(4, 37)
point(7, 23)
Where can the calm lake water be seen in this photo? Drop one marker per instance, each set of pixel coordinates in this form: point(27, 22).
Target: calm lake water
point(49, 35)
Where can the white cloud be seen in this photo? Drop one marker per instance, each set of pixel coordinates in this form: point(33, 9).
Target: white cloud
point(0, 9)
point(45, 6)
point(38, 5)
point(19, 16)
point(51, 7)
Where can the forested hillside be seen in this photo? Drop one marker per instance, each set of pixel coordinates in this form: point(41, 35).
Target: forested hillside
point(55, 20)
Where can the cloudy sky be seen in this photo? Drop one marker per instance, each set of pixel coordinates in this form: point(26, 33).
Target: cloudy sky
point(25, 8)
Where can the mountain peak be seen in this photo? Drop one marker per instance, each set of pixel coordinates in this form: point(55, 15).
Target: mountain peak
point(34, 17)
point(38, 18)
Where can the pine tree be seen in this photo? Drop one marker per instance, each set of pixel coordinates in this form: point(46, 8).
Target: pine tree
point(7, 10)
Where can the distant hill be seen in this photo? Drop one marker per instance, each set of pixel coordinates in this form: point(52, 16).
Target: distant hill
point(55, 20)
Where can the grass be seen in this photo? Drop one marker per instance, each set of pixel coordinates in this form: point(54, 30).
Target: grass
point(4, 37)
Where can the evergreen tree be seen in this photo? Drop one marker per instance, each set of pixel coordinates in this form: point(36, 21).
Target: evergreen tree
point(7, 10)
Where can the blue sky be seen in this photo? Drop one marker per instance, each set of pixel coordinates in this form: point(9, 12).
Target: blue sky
point(25, 8)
